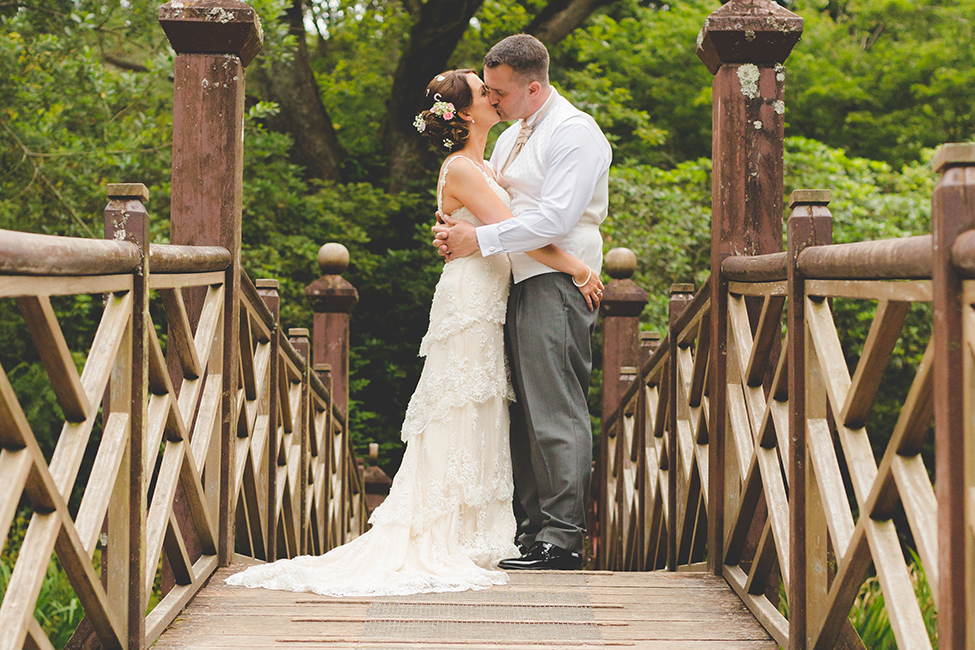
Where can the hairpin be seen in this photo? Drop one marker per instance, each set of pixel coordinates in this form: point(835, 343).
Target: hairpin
point(436, 97)
point(440, 77)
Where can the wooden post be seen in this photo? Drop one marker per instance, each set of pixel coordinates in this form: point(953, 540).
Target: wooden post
point(126, 219)
point(267, 289)
point(649, 342)
point(743, 43)
point(333, 299)
point(952, 213)
point(681, 295)
point(810, 224)
point(298, 336)
point(623, 302)
point(213, 40)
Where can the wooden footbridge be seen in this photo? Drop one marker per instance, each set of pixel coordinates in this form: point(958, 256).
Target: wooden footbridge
point(740, 501)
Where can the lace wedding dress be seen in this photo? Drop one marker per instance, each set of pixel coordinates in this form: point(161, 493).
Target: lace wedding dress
point(448, 518)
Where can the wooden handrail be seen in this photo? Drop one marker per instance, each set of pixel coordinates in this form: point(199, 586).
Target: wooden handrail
point(23, 253)
point(907, 258)
point(963, 254)
point(172, 258)
point(755, 268)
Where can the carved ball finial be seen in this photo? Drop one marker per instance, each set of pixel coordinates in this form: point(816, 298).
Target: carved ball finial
point(333, 258)
point(620, 263)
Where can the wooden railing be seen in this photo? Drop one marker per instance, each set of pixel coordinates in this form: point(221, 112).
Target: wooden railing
point(224, 437)
point(176, 457)
point(803, 506)
point(739, 446)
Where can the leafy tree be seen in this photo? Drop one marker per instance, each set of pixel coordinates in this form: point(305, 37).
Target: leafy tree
point(883, 79)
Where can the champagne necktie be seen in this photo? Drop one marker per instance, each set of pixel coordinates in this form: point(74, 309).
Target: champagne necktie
point(526, 130)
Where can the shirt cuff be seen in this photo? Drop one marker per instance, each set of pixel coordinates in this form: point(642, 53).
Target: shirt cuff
point(488, 240)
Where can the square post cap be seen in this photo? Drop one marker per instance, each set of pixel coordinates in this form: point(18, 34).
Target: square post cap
point(212, 27)
point(748, 31)
point(954, 154)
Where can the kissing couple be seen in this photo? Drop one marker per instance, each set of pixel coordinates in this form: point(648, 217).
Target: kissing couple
point(500, 407)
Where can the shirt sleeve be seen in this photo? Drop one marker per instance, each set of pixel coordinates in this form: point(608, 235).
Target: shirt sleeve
point(576, 159)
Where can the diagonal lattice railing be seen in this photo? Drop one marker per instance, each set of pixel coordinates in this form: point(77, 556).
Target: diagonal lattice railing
point(150, 506)
point(813, 503)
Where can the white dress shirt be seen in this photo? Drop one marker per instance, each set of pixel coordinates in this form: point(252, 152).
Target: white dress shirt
point(577, 158)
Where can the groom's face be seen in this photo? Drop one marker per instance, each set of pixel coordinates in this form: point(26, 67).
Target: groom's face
point(509, 95)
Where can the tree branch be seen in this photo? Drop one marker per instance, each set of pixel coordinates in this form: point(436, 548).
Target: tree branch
point(560, 17)
point(292, 85)
point(434, 37)
point(124, 65)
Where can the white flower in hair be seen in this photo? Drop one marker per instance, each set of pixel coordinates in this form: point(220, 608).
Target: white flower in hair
point(448, 144)
point(419, 123)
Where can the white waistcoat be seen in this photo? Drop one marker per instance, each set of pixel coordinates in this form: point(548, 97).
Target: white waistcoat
point(523, 180)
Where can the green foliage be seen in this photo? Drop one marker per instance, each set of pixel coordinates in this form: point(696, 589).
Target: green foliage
point(883, 78)
point(664, 217)
point(69, 123)
point(635, 69)
point(869, 615)
point(58, 609)
point(357, 51)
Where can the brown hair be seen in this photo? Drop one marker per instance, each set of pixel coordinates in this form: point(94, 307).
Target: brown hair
point(523, 53)
point(451, 87)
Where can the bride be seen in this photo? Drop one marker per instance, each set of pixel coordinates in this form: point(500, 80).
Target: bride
point(448, 519)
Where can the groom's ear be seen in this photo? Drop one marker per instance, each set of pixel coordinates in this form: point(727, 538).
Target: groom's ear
point(534, 87)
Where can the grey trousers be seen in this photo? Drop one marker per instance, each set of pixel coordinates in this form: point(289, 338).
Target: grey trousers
point(547, 333)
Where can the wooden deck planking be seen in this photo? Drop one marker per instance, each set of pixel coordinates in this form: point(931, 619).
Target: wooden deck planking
point(564, 610)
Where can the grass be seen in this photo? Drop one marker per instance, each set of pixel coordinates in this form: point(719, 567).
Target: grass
point(869, 614)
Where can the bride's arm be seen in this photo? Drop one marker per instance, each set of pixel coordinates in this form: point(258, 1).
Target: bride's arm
point(466, 186)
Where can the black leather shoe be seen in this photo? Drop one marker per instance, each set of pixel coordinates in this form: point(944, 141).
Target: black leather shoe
point(543, 555)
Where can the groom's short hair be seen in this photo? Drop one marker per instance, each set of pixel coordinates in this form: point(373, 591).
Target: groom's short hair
point(523, 53)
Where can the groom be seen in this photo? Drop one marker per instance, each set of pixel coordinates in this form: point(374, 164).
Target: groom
point(555, 163)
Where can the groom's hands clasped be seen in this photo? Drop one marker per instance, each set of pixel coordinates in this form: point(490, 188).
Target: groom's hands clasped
point(454, 238)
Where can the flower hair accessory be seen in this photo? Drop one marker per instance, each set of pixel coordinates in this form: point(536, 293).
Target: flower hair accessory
point(443, 109)
point(419, 123)
point(448, 144)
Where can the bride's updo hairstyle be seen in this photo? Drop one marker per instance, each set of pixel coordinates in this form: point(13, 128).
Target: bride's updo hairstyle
point(439, 122)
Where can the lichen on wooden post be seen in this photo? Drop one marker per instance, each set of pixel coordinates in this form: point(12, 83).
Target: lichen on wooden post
point(126, 219)
point(743, 44)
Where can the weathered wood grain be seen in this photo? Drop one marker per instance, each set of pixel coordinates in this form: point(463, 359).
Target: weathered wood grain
point(534, 610)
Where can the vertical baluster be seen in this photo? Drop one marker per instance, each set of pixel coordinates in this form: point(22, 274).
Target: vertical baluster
point(267, 289)
point(126, 219)
point(681, 296)
point(299, 339)
point(810, 224)
point(952, 213)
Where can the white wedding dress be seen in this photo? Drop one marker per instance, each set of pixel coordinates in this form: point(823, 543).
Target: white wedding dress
point(448, 518)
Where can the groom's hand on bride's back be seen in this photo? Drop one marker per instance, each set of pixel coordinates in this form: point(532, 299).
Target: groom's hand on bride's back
point(454, 238)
